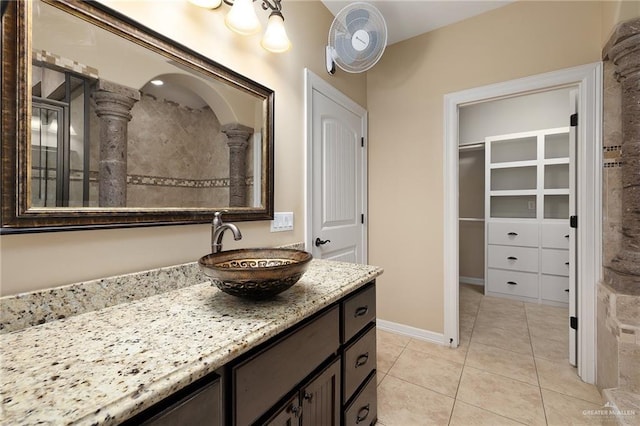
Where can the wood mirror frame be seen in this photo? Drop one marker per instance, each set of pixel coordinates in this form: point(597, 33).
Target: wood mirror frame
point(16, 214)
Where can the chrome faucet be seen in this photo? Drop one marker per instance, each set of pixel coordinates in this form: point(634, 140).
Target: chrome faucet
point(217, 232)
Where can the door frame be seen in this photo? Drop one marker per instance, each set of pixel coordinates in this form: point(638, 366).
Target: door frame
point(313, 82)
point(588, 81)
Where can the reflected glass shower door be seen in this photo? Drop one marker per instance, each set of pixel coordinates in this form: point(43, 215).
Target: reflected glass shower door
point(47, 134)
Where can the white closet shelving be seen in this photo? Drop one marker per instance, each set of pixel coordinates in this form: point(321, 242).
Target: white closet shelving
point(527, 216)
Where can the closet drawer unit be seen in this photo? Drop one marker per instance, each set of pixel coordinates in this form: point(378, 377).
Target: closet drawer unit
point(555, 262)
point(555, 235)
point(359, 362)
point(513, 234)
point(555, 288)
point(513, 258)
point(513, 283)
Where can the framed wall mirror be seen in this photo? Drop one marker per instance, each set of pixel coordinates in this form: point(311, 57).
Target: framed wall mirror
point(106, 123)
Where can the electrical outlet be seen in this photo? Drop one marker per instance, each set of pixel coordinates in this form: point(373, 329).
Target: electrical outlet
point(282, 221)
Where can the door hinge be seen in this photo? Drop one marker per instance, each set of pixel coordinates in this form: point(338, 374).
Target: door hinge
point(573, 322)
point(362, 142)
point(362, 218)
point(573, 221)
point(574, 120)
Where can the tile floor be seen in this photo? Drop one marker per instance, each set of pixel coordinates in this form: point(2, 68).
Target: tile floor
point(511, 368)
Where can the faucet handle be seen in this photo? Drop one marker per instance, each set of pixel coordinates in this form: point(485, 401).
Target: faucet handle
point(217, 218)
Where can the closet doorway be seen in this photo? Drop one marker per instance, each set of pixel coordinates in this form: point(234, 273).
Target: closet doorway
point(515, 197)
point(586, 80)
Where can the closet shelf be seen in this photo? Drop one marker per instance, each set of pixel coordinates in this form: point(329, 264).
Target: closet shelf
point(512, 164)
point(471, 219)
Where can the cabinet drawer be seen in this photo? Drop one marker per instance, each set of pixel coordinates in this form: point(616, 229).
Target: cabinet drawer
point(555, 288)
point(259, 382)
point(513, 234)
point(555, 262)
point(514, 258)
point(363, 411)
point(359, 362)
point(358, 311)
point(513, 283)
point(555, 235)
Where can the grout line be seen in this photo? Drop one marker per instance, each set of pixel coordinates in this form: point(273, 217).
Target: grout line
point(535, 366)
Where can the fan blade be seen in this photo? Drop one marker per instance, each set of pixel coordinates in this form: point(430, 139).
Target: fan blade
point(344, 50)
point(356, 19)
point(373, 45)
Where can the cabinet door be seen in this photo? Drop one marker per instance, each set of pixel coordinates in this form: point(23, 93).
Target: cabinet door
point(321, 398)
point(288, 416)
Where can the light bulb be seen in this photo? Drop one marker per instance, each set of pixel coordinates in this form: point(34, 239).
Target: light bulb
point(275, 37)
point(242, 18)
point(208, 4)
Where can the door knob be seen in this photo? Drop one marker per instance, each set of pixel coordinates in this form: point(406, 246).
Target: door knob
point(320, 242)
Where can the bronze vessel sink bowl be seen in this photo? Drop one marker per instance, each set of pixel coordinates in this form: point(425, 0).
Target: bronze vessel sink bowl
point(258, 273)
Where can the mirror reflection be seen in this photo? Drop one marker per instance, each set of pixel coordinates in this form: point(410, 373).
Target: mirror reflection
point(117, 125)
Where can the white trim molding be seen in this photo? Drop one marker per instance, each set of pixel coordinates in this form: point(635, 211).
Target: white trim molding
point(413, 332)
point(587, 79)
point(472, 280)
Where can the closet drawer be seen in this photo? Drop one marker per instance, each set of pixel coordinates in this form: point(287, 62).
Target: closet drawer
point(555, 262)
point(513, 258)
point(513, 234)
point(555, 235)
point(555, 288)
point(513, 283)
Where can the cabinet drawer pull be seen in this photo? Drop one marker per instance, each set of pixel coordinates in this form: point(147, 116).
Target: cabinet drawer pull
point(295, 410)
point(362, 359)
point(362, 414)
point(362, 310)
point(566, 263)
point(567, 290)
point(512, 234)
point(566, 236)
point(512, 258)
point(308, 396)
point(512, 283)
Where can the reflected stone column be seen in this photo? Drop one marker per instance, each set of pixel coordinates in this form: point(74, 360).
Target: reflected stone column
point(238, 141)
point(623, 50)
point(113, 107)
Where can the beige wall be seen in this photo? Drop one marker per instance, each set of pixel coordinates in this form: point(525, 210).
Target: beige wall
point(405, 102)
point(616, 11)
point(45, 260)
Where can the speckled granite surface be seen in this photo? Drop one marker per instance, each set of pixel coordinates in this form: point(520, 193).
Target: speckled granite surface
point(104, 366)
point(37, 307)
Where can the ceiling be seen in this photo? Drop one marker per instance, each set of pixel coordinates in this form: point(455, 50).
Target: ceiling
point(406, 19)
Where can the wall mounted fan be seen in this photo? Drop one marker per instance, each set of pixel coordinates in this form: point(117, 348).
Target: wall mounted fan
point(357, 38)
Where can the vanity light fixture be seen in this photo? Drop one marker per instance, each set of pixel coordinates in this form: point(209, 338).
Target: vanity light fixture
point(243, 20)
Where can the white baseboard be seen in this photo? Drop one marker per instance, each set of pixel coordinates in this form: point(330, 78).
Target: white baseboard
point(413, 332)
point(471, 280)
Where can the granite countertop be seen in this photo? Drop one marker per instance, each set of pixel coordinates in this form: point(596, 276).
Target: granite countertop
point(104, 366)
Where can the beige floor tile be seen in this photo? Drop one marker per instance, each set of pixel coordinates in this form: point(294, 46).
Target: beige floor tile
point(552, 350)
point(564, 410)
point(502, 320)
point(405, 404)
point(502, 305)
point(431, 372)
point(392, 338)
point(502, 395)
point(468, 415)
point(558, 332)
point(563, 378)
point(456, 355)
point(514, 340)
point(379, 377)
point(535, 310)
point(507, 363)
point(386, 354)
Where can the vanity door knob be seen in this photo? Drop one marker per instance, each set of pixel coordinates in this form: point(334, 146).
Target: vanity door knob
point(320, 242)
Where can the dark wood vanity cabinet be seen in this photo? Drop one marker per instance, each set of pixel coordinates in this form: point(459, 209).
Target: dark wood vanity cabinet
point(320, 372)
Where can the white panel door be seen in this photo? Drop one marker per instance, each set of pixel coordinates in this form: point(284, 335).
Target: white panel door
point(573, 235)
point(337, 181)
